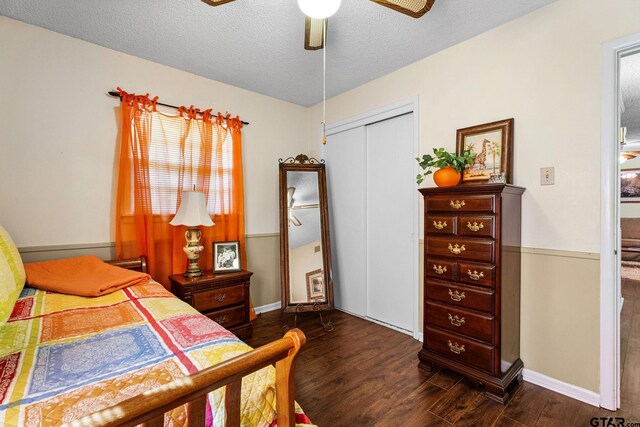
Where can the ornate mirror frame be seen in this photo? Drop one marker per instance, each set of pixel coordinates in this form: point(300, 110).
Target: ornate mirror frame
point(302, 163)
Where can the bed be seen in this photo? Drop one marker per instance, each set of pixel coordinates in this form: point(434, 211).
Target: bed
point(137, 355)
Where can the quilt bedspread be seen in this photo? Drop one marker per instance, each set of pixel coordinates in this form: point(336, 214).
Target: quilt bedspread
point(63, 357)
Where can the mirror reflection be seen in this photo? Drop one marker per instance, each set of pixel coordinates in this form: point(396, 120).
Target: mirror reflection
point(306, 275)
point(305, 248)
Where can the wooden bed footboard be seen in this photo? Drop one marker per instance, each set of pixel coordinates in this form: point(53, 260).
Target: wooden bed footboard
point(149, 407)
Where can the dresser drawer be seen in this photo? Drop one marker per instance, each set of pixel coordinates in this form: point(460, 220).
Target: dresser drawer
point(440, 268)
point(476, 274)
point(479, 226)
point(461, 203)
point(218, 298)
point(473, 249)
point(459, 348)
point(227, 317)
point(474, 325)
point(462, 296)
point(440, 224)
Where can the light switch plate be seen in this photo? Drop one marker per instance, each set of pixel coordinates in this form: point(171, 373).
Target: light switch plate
point(547, 176)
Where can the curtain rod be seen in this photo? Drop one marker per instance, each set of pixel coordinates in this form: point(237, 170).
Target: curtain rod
point(116, 94)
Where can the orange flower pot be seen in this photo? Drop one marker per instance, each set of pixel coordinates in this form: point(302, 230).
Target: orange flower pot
point(446, 177)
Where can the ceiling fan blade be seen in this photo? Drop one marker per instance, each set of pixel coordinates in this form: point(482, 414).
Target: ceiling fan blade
point(313, 37)
point(413, 8)
point(304, 207)
point(295, 221)
point(290, 200)
point(216, 2)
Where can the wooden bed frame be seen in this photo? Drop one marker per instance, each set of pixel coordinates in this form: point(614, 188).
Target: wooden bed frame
point(149, 408)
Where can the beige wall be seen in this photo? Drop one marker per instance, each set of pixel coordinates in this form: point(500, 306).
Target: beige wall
point(58, 133)
point(302, 260)
point(543, 69)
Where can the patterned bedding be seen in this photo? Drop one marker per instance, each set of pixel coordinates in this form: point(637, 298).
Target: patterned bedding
point(63, 357)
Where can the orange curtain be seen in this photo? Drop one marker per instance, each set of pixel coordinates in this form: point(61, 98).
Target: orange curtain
point(161, 156)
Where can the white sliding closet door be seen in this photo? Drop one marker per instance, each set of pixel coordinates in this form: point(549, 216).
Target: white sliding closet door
point(372, 206)
point(391, 191)
point(344, 154)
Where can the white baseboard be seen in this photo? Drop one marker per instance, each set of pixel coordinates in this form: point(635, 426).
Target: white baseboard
point(418, 336)
point(572, 391)
point(268, 307)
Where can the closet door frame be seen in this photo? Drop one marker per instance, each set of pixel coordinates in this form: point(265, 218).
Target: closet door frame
point(409, 105)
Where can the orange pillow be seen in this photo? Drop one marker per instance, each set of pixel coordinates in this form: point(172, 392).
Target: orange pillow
point(86, 276)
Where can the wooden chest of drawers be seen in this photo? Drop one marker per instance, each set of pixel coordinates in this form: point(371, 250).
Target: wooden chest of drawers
point(472, 284)
point(224, 298)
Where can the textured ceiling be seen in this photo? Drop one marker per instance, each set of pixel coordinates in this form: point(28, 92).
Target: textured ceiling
point(630, 91)
point(258, 44)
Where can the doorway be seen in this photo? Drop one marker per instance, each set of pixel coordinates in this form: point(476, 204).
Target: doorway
point(612, 356)
point(629, 213)
point(373, 205)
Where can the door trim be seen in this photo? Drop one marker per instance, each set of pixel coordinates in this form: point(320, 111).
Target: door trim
point(409, 105)
point(610, 303)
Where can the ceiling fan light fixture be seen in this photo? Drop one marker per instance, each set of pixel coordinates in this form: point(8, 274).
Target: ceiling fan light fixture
point(216, 2)
point(319, 9)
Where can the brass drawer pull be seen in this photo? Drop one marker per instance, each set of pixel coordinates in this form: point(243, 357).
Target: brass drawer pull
point(439, 225)
point(439, 269)
point(475, 227)
point(457, 204)
point(220, 297)
point(456, 296)
point(456, 348)
point(456, 321)
point(221, 319)
point(456, 249)
point(474, 275)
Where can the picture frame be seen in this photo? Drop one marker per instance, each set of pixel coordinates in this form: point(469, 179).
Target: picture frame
point(316, 290)
point(493, 144)
point(630, 185)
point(226, 257)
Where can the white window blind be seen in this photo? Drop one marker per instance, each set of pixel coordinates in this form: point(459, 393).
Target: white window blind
point(168, 162)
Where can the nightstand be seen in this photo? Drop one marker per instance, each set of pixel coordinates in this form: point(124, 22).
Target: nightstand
point(224, 298)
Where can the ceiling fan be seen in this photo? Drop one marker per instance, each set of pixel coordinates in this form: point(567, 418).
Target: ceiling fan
point(293, 220)
point(315, 25)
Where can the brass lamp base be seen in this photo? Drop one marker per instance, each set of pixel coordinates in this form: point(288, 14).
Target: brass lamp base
point(192, 249)
point(193, 270)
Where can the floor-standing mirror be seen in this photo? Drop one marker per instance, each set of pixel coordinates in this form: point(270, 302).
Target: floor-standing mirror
point(305, 251)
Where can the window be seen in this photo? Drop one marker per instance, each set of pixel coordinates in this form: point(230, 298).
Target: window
point(173, 168)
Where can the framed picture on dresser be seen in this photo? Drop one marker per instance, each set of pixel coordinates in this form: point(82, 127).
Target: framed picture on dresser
point(492, 143)
point(226, 257)
point(630, 185)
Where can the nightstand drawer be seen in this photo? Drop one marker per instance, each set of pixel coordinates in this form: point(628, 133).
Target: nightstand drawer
point(218, 298)
point(227, 317)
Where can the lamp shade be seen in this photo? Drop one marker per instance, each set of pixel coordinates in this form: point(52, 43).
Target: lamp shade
point(319, 9)
point(192, 211)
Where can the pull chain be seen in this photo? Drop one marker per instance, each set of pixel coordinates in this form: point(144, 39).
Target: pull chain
point(324, 82)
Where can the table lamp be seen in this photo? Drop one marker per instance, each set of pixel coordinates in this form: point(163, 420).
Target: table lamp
point(192, 213)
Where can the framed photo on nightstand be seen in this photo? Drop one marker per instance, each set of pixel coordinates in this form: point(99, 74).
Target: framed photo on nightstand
point(226, 257)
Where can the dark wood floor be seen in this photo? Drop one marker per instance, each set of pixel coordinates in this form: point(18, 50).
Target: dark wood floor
point(630, 345)
point(363, 374)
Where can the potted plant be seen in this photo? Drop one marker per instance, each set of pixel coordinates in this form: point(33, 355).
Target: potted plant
point(450, 166)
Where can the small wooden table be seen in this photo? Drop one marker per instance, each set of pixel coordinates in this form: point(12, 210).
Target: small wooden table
point(224, 298)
